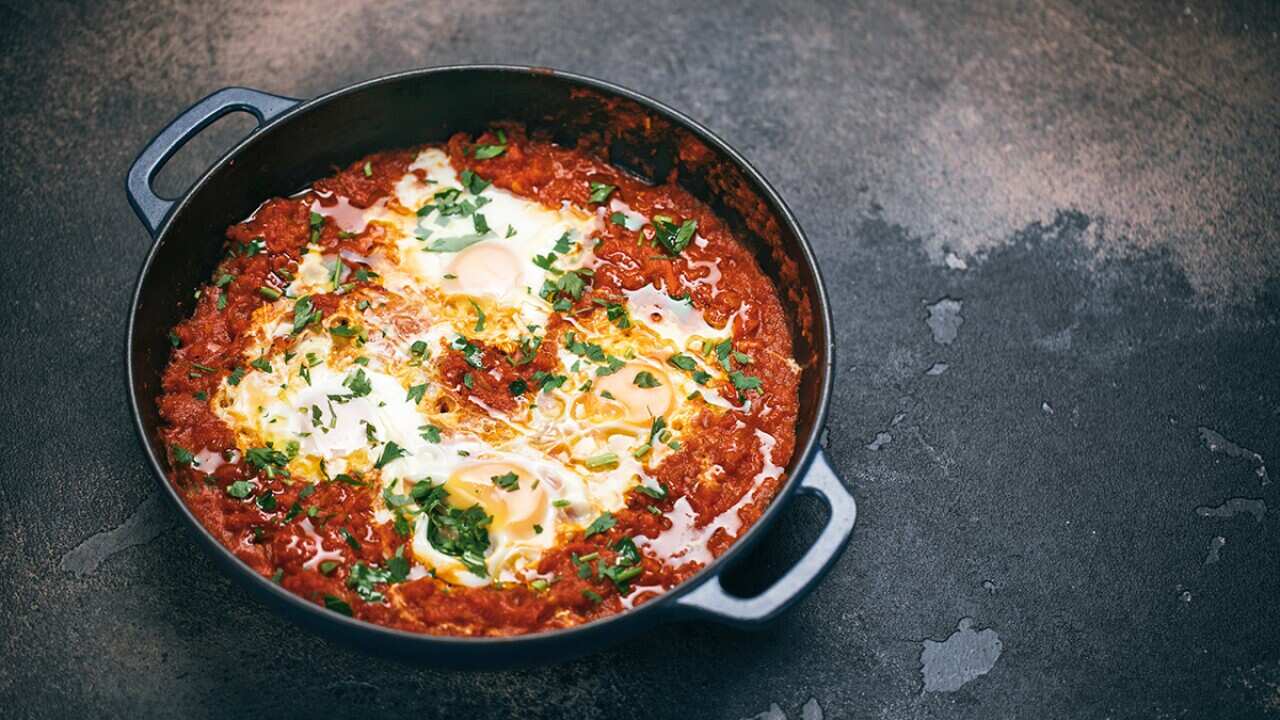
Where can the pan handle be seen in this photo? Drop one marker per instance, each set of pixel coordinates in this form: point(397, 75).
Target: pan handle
point(710, 599)
point(150, 207)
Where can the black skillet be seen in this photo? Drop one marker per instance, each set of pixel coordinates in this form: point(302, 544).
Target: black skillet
point(298, 141)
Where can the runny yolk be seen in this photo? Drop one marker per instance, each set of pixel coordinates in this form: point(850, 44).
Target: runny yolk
point(639, 403)
point(514, 511)
point(483, 269)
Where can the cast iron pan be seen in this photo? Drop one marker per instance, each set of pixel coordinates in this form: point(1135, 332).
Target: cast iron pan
point(297, 142)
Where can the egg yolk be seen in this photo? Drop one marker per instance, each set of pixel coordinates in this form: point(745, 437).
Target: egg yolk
point(485, 268)
point(643, 399)
point(515, 511)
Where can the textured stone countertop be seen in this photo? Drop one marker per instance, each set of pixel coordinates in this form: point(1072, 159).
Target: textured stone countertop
point(1050, 235)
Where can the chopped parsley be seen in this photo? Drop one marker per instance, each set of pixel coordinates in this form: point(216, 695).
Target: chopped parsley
point(454, 531)
point(416, 393)
point(345, 330)
point(626, 566)
point(548, 382)
point(268, 460)
point(612, 365)
point(646, 379)
point(508, 481)
point(742, 383)
point(473, 182)
point(359, 385)
point(470, 352)
point(337, 604)
point(684, 362)
point(601, 524)
point(182, 456)
point(304, 313)
point(240, 489)
point(488, 152)
point(430, 433)
point(390, 452)
point(364, 577)
point(351, 539)
point(518, 387)
point(600, 192)
point(616, 312)
point(673, 238)
point(479, 316)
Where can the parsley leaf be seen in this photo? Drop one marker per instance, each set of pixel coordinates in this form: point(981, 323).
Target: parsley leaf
point(454, 244)
point(304, 313)
point(744, 382)
point(390, 452)
point(345, 330)
point(416, 393)
point(508, 481)
point(684, 362)
point(337, 604)
point(470, 352)
point(182, 456)
point(267, 459)
point(600, 192)
point(460, 533)
point(674, 239)
point(473, 182)
point(488, 152)
point(646, 379)
point(601, 524)
point(240, 489)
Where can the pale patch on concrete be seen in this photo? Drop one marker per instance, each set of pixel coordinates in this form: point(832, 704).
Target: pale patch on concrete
point(149, 521)
point(1219, 444)
point(965, 655)
point(1256, 507)
point(944, 320)
point(1215, 549)
point(811, 710)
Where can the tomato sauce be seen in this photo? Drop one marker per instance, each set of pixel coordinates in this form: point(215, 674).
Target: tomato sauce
point(700, 516)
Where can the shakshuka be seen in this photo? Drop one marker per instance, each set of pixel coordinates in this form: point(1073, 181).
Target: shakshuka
point(487, 388)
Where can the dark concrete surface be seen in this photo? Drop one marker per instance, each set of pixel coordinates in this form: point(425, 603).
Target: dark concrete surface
point(1050, 234)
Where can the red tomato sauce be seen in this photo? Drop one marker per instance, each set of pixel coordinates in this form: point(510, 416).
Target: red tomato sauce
point(700, 516)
